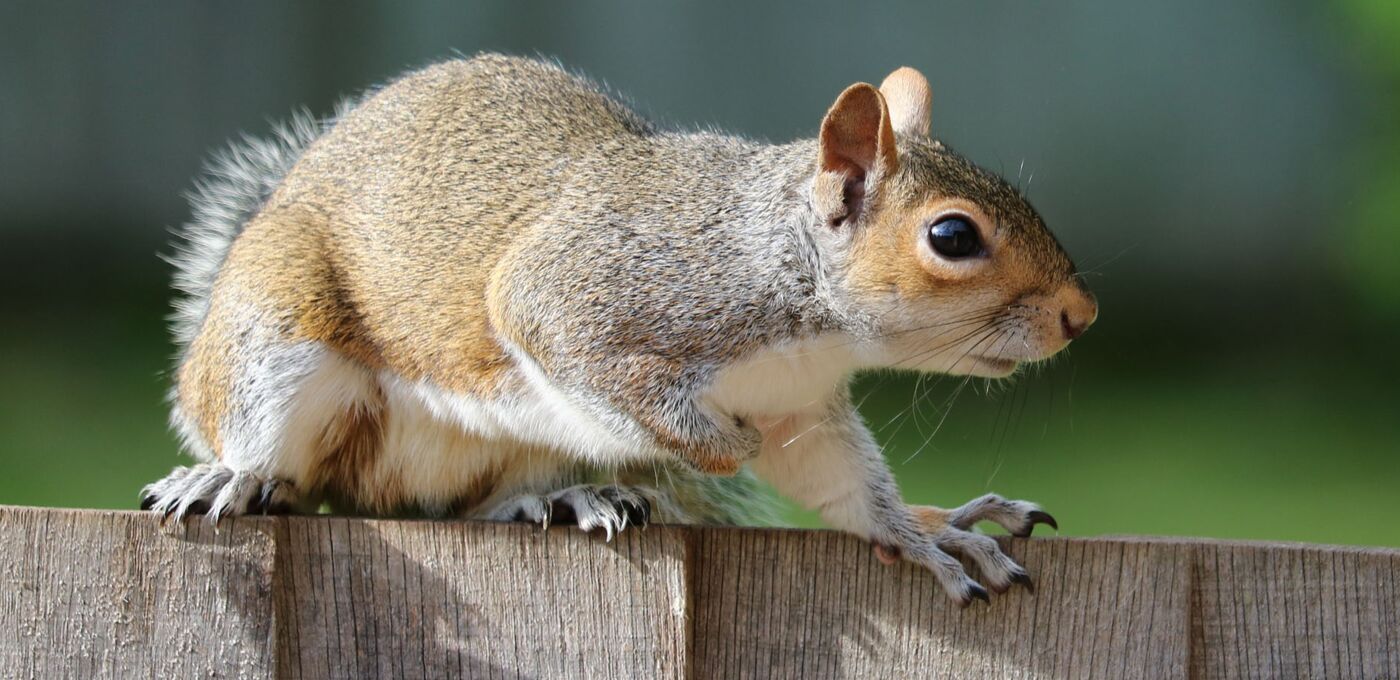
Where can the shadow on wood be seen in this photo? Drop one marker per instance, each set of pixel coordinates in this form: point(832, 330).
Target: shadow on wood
point(114, 594)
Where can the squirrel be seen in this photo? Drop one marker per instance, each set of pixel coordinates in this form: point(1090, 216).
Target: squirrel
point(491, 290)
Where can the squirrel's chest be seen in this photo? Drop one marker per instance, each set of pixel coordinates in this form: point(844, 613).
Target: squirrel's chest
point(790, 378)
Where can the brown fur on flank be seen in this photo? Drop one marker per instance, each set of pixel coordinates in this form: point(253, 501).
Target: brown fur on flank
point(491, 289)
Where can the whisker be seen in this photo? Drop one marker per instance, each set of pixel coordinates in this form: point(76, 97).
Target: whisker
point(948, 406)
point(923, 355)
point(972, 318)
point(1074, 369)
point(929, 353)
point(1096, 268)
point(975, 317)
point(996, 423)
point(802, 434)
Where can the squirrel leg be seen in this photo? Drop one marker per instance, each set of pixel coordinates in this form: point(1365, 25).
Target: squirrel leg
point(277, 420)
point(216, 490)
point(829, 461)
point(589, 506)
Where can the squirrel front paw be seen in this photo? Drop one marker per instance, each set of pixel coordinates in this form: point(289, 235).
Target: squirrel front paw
point(926, 552)
point(1018, 518)
point(935, 552)
point(949, 531)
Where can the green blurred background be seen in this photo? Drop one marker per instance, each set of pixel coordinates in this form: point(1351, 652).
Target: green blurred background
point(1229, 173)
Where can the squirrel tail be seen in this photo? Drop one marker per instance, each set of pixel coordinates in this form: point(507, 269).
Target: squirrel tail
point(232, 188)
point(684, 496)
point(740, 500)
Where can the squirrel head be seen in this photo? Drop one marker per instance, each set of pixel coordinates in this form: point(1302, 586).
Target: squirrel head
point(954, 268)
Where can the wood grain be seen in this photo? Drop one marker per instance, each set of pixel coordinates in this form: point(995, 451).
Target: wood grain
point(791, 604)
point(370, 598)
point(89, 594)
point(115, 595)
point(1294, 611)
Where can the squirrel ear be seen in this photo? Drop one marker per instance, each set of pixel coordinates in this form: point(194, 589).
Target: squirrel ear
point(910, 100)
point(857, 147)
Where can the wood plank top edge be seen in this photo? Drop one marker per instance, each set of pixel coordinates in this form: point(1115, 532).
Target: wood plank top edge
point(782, 531)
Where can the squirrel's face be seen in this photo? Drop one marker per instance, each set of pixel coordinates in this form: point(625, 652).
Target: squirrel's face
point(957, 270)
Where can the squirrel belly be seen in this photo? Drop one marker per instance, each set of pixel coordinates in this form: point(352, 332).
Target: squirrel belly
point(491, 290)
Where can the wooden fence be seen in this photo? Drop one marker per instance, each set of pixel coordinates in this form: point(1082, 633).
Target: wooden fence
point(89, 594)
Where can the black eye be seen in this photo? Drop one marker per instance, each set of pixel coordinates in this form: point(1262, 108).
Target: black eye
point(954, 238)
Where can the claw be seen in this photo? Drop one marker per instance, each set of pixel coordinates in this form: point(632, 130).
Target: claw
point(1039, 517)
point(975, 590)
point(539, 516)
point(265, 498)
point(639, 513)
point(609, 509)
point(1024, 580)
point(631, 509)
point(1033, 518)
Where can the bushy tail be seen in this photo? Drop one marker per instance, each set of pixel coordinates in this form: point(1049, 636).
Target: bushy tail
point(684, 496)
point(232, 188)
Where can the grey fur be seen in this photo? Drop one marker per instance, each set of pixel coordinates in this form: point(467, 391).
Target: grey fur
point(503, 231)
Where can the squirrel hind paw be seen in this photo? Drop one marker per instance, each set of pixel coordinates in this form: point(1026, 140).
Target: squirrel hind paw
point(216, 491)
point(610, 508)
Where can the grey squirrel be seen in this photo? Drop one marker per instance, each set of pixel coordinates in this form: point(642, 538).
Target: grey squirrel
point(490, 290)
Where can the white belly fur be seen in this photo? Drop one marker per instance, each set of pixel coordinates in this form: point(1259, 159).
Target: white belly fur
point(438, 443)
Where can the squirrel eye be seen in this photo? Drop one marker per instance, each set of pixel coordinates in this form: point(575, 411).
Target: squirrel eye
point(954, 238)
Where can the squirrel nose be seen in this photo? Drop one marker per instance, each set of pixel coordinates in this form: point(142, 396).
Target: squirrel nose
point(1078, 314)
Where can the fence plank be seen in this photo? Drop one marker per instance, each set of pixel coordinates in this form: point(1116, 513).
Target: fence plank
point(1294, 611)
point(90, 594)
point(372, 598)
point(114, 595)
point(796, 604)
